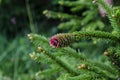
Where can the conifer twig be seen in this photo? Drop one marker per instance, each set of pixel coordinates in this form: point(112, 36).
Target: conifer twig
point(110, 12)
point(59, 62)
point(65, 39)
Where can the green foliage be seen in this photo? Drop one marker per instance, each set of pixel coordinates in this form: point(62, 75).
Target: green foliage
point(90, 35)
point(77, 18)
point(111, 14)
point(88, 30)
point(62, 59)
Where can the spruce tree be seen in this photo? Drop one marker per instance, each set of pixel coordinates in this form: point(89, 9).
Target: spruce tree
point(90, 50)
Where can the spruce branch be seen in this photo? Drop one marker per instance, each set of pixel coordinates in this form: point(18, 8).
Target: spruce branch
point(114, 56)
point(74, 3)
point(106, 67)
point(57, 15)
point(72, 37)
point(48, 72)
point(59, 62)
point(73, 53)
point(65, 39)
point(39, 40)
point(40, 58)
point(85, 76)
point(71, 24)
point(97, 70)
point(111, 14)
point(97, 34)
point(103, 73)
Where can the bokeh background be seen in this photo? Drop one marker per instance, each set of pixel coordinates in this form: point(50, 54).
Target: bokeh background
point(15, 63)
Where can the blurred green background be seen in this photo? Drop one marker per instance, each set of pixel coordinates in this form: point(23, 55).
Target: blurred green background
point(15, 18)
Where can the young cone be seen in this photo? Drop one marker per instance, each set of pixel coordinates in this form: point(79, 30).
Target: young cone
point(62, 40)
